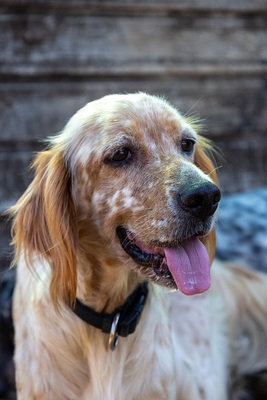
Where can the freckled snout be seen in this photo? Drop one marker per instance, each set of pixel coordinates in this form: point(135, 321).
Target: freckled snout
point(200, 199)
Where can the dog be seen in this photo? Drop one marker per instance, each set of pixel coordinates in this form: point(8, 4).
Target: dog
point(115, 297)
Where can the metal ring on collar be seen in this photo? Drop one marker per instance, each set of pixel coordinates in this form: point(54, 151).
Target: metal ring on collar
point(114, 336)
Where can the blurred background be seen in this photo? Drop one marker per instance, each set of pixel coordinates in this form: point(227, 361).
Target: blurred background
point(209, 58)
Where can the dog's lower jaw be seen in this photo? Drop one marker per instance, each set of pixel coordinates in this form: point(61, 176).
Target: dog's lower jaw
point(147, 263)
point(184, 266)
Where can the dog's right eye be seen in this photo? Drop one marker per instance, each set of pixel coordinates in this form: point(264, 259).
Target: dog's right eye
point(121, 155)
point(187, 145)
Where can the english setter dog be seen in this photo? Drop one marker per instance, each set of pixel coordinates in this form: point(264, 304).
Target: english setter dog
point(115, 298)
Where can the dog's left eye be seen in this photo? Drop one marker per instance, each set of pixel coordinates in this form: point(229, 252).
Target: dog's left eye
point(121, 155)
point(187, 145)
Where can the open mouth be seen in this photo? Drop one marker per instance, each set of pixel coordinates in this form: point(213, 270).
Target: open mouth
point(185, 266)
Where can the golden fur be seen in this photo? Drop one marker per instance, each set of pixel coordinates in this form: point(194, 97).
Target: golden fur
point(64, 232)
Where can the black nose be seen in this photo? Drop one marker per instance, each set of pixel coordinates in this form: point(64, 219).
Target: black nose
point(200, 200)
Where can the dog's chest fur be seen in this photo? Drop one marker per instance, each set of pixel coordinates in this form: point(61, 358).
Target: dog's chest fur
point(170, 356)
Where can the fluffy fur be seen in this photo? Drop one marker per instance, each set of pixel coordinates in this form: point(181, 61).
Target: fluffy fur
point(64, 231)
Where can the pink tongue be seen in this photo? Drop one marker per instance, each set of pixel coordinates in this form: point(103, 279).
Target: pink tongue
point(189, 265)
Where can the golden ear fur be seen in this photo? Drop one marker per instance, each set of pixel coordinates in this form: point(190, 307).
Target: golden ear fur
point(44, 224)
point(203, 161)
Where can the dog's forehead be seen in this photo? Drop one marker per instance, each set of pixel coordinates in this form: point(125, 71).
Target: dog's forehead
point(150, 115)
point(148, 120)
point(152, 125)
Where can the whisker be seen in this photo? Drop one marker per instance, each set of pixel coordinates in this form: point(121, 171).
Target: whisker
point(193, 106)
point(214, 169)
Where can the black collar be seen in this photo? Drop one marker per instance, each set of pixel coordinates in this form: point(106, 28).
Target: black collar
point(122, 321)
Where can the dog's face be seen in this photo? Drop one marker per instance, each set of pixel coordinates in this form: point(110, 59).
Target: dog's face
point(133, 162)
point(127, 183)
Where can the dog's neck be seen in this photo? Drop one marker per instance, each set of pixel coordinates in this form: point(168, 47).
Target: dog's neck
point(104, 284)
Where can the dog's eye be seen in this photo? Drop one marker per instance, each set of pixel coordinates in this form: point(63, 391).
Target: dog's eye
point(121, 155)
point(187, 145)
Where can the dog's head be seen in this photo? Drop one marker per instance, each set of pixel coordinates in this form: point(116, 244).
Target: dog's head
point(131, 175)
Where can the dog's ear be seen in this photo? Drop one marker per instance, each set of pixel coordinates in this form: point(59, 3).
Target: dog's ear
point(204, 162)
point(44, 224)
